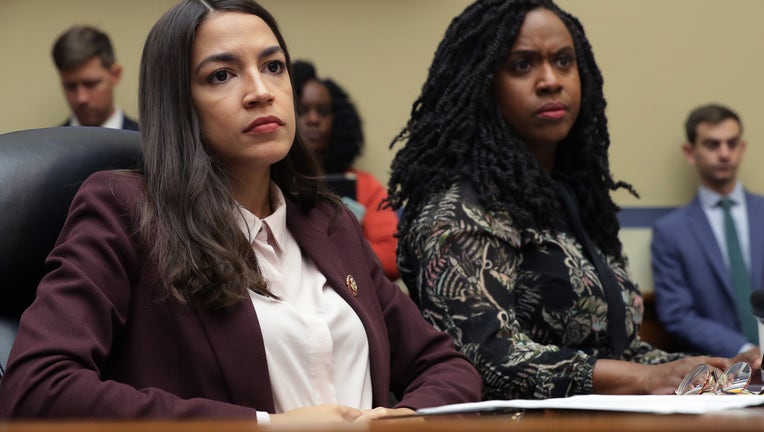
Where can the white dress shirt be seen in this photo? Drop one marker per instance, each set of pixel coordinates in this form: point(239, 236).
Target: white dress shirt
point(113, 122)
point(709, 201)
point(315, 344)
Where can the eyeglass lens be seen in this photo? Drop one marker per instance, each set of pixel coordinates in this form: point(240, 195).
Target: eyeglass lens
point(735, 379)
point(696, 381)
point(703, 378)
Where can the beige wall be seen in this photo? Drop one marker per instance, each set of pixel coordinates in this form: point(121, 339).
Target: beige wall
point(659, 58)
point(29, 86)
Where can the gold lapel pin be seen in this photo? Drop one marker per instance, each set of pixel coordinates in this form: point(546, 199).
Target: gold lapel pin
point(350, 282)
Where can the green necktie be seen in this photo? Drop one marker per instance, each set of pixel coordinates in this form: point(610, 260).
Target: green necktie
point(741, 279)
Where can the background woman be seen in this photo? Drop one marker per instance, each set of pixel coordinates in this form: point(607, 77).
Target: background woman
point(509, 238)
point(222, 280)
point(331, 128)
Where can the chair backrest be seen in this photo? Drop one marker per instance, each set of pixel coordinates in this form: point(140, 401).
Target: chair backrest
point(40, 171)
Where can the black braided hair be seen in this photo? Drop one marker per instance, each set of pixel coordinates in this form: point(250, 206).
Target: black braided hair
point(456, 131)
point(346, 142)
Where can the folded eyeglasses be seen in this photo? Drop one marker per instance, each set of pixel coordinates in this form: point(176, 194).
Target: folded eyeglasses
point(708, 379)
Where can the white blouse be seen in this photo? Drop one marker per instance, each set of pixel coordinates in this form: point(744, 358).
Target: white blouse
point(316, 346)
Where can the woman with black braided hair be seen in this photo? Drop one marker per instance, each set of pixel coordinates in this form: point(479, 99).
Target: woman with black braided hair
point(508, 240)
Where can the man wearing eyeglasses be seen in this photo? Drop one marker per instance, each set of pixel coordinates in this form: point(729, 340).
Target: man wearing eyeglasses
point(709, 255)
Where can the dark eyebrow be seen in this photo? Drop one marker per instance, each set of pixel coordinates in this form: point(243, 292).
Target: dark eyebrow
point(228, 57)
point(216, 58)
point(526, 52)
point(523, 52)
point(271, 51)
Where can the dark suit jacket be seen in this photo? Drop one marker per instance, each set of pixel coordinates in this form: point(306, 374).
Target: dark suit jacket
point(694, 296)
point(127, 123)
point(102, 339)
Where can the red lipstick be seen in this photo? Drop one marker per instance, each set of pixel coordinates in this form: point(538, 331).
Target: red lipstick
point(264, 124)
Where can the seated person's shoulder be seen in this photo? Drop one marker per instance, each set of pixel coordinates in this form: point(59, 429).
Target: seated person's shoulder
point(459, 207)
point(121, 186)
point(671, 219)
point(362, 176)
point(121, 179)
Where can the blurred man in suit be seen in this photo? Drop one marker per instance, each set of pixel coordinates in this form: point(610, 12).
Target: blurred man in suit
point(89, 72)
point(709, 255)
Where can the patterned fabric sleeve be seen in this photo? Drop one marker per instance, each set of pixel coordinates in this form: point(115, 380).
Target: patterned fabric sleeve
point(642, 352)
point(638, 350)
point(467, 265)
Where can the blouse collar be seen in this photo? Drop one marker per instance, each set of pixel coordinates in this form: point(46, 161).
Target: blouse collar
point(274, 224)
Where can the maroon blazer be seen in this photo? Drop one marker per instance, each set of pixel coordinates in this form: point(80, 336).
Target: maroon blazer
point(103, 339)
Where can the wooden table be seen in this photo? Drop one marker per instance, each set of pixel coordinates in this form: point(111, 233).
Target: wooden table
point(749, 419)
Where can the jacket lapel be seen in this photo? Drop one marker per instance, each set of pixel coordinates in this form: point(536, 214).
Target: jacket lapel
point(699, 225)
point(755, 207)
point(319, 234)
point(314, 233)
point(236, 339)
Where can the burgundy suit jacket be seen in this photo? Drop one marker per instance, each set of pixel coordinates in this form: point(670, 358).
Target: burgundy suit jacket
point(103, 339)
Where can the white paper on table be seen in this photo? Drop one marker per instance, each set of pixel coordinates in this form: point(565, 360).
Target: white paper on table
point(666, 404)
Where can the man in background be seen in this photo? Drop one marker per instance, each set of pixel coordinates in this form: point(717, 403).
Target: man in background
point(89, 72)
point(709, 255)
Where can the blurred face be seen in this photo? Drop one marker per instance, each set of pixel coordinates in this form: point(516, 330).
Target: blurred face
point(89, 90)
point(316, 116)
point(242, 94)
point(716, 154)
point(538, 88)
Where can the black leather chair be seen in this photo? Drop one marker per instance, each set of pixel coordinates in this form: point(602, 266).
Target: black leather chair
point(40, 171)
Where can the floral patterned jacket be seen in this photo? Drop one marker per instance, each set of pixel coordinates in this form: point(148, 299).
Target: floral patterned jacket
point(528, 310)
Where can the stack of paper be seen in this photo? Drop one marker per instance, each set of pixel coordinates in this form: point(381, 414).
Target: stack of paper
point(668, 404)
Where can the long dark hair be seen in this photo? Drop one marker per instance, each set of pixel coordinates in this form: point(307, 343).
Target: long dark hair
point(456, 132)
point(188, 218)
point(346, 142)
